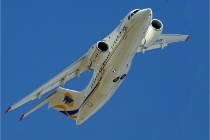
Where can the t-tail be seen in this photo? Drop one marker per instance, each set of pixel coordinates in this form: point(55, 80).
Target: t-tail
point(63, 100)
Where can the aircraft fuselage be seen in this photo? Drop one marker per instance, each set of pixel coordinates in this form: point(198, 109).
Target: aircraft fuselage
point(110, 60)
point(123, 44)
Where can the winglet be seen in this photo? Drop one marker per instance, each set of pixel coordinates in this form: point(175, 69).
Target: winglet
point(8, 109)
point(21, 117)
point(187, 38)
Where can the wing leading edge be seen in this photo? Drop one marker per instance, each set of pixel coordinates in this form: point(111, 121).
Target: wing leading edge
point(70, 72)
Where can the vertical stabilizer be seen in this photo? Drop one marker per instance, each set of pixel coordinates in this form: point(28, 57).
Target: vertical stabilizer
point(67, 101)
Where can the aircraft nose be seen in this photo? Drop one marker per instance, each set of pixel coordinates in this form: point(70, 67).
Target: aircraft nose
point(147, 12)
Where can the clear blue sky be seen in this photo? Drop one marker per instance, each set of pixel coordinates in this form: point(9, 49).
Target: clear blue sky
point(164, 97)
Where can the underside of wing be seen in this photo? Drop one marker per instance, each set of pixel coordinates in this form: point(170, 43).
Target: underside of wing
point(73, 70)
point(171, 38)
point(163, 41)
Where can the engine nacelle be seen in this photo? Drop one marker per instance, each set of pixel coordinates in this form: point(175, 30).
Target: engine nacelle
point(98, 54)
point(153, 33)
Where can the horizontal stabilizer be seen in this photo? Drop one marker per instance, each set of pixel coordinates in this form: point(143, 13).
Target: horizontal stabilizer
point(43, 102)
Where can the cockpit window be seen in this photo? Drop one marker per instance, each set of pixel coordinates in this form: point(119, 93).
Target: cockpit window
point(136, 11)
point(133, 13)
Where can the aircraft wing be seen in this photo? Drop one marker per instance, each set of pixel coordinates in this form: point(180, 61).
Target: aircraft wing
point(73, 70)
point(164, 40)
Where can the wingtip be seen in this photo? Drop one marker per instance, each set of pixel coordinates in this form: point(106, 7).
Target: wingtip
point(21, 117)
point(187, 38)
point(8, 109)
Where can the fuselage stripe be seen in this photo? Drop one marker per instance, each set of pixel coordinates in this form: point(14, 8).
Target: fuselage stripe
point(102, 67)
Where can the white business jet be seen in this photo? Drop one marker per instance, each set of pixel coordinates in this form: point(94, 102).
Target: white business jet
point(110, 59)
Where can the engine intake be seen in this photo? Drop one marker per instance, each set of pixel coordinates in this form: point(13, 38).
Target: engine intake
point(156, 24)
point(153, 33)
point(98, 54)
point(102, 46)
